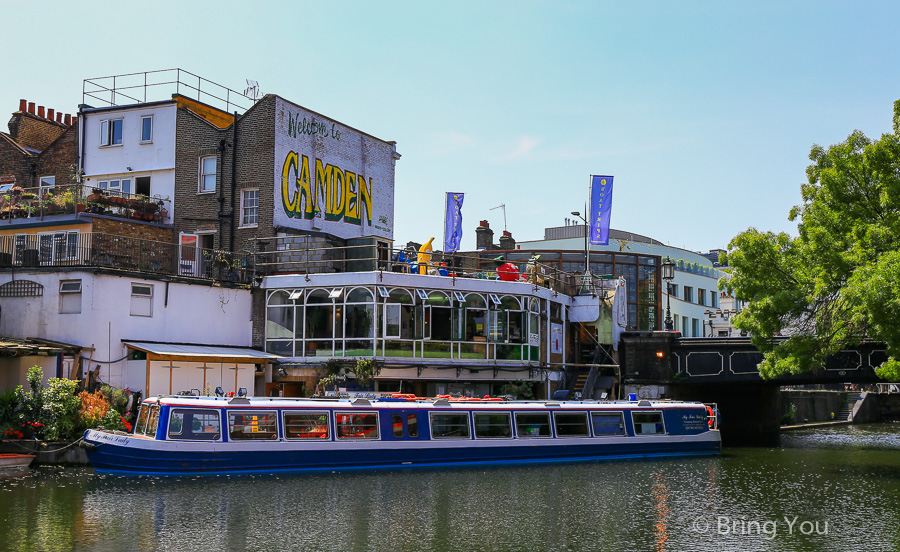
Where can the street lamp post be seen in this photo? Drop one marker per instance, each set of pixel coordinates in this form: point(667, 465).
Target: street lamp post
point(586, 251)
point(668, 274)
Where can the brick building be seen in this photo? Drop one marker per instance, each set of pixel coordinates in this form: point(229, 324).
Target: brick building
point(40, 149)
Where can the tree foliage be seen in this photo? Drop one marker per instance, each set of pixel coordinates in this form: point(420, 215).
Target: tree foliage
point(838, 281)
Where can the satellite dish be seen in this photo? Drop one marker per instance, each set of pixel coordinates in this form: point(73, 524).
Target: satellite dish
point(252, 90)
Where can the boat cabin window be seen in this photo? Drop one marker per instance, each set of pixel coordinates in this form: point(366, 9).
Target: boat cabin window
point(153, 422)
point(252, 425)
point(571, 424)
point(412, 425)
point(449, 425)
point(194, 423)
point(143, 415)
point(492, 424)
point(356, 425)
point(306, 425)
point(608, 423)
point(648, 423)
point(533, 424)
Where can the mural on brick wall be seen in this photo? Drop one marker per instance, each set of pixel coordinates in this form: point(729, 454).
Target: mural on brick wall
point(331, 178)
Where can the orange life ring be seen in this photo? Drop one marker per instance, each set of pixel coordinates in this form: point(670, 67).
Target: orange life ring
point(711, 417)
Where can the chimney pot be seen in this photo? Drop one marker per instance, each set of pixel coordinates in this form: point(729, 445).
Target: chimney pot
point(506, 234)
point(40, 112)
point(484, 223)
point(23, 105)
point(59, 117)
point(68, 119)
point(31, 107)
point(51, 114)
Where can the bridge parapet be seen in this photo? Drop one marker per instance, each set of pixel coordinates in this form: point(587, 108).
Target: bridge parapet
point(724, 360)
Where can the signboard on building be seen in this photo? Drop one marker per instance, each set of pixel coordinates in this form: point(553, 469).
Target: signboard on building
point(556, 338)
point(331, 178)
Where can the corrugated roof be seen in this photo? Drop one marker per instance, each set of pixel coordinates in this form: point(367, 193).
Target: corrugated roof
point(11, 346)
point(176, 350)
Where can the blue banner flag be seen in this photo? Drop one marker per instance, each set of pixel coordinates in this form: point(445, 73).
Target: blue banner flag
point(453, 222)
point(601, 208)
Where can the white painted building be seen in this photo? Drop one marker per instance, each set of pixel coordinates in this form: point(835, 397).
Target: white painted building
point(101, 313)
point(130, 149)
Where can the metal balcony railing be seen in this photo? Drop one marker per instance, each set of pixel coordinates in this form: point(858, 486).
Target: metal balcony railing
point(310, 255)
point(133, 88)
point(42, 201)
point(95, 249)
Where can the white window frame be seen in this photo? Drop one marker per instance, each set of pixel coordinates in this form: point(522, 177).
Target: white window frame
point(249, 213)
point(148, 140)
point(47, 183)
point(116, 186)
point(61, 246)
point(68, 289)
point(107, 127)
point(140, 296)
point(203, 175)
point(397, 308)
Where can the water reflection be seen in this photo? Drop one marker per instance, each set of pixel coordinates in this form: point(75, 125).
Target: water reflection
point(849, 478)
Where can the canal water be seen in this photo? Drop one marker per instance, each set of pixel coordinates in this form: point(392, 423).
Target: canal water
point(834, 489)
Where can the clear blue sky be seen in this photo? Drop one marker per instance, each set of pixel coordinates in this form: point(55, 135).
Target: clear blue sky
point(703, 111)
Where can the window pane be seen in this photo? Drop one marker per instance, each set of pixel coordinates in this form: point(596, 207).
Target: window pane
point(194, 423)
point(154, 421)
point(492, 425)
point(116, 137)
point(449, 426)
point(146, 129)
point(362, 425)
point(647, 423)
point(280, 322)
point(252, 425)
point(533, 424)
point(608, 423)
point(412, 425)
point(306, 425)
point(143, 416)
point(571, 424)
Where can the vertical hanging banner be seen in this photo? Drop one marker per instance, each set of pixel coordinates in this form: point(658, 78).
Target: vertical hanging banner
point(453, 222)
point(601, 207)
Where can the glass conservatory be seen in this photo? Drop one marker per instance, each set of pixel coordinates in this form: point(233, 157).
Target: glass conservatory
point(403, 322)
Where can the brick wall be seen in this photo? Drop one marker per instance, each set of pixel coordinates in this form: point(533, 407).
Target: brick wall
point(133, 229)
point(193, 211)
point(255, 166)
point(55, 160)
point(34, 132)
point(60, 159)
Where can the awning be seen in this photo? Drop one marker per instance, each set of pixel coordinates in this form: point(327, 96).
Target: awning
point(11, 346)
point(201, 353)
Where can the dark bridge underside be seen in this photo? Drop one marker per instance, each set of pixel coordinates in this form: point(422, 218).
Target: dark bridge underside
point(735, 360)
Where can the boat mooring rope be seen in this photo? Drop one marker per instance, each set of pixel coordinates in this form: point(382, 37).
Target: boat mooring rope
point(39, 444)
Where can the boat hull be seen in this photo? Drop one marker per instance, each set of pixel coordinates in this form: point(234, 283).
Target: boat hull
point(135, 456)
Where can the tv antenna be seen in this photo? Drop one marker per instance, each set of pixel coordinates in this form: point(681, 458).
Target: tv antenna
point(252, 90)
point(501, 206)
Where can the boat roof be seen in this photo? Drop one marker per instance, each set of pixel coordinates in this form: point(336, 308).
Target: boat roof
point(462, 403)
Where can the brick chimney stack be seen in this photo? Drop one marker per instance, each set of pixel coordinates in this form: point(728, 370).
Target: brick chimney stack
point(484, 236)
point(507, 242)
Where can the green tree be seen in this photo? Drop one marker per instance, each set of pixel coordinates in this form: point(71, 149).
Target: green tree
point(838, 281)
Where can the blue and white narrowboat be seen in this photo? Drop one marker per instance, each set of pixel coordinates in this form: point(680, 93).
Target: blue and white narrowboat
point(182, 435)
